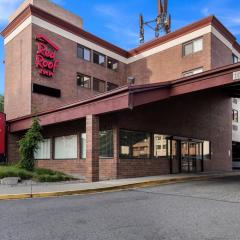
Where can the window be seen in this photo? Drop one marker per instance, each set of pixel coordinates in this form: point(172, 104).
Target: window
point(83, 52)
point(235, 115)
point(235, 58)
point(235, 101)
point(83, 80)
point(111, 86)
point(134, 144)
point(44, 150)
point(112, 63)
point(160, 145)
point(192, 72)
point(83, 142)
point(99, 85)
point(65, 147)
point(193, 47)
point(106, 144)
point(206, 150)
point(99, 58)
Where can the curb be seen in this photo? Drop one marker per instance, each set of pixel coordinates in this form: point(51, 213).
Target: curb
point(123, 187)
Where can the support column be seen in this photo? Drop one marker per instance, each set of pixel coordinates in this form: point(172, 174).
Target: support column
point(92, 145)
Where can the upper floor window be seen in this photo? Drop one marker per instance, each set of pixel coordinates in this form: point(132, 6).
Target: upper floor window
point(192, 72)
point(193, 46)
point(111, 86)
point(112, 63)
point(235, 58)
point(235, 115)
point(99, 58)
point(83, 80)
point(99, 85)
point(83, 52)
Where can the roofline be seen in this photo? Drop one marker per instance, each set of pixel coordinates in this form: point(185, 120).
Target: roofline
point(35, 11)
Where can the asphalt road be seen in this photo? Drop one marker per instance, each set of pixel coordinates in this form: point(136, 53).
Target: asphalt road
point(190, 211)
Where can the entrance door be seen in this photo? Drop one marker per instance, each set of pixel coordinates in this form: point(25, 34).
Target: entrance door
point(191, 156)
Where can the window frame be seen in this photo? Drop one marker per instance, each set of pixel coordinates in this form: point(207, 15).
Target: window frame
point(83, 58)
point(112, 59)
point(50, 151)
point(235, 57)
point(108, 157)
point(235, 114)
point(100, 54)
point(54, 148)
point(90, 81)
point(131, 151)
point(192, 71)
point(100, 80)
point(192, 43)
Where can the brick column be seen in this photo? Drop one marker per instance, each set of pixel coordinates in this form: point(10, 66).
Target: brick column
point(92, 158)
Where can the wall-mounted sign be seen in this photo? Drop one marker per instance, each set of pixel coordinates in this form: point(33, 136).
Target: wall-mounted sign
point(236, 76)
point(46, 56)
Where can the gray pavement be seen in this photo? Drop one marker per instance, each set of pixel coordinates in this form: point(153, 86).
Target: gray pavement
point(197, 210)
point(27, 188)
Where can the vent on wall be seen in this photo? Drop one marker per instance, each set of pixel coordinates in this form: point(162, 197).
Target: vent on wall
point(48, 91)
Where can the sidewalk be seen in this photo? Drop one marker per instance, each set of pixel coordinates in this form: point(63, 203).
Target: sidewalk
point(37, 190)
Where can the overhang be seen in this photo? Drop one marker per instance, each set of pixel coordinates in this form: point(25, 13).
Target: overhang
point(129, 97)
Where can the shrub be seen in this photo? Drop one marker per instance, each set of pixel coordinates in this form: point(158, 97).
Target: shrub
point(28, 145)
point(14, 172)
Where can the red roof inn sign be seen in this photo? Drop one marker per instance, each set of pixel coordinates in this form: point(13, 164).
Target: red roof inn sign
point(46, 54)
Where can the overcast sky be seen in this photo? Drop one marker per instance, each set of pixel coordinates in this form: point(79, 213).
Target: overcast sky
point(117, 20)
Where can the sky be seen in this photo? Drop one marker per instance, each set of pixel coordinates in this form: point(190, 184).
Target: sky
point(117, 21)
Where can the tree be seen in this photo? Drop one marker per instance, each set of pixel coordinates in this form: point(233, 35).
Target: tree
point(1, 103)
point(29, 144)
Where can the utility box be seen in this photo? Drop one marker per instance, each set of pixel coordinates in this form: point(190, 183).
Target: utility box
point(2, 137)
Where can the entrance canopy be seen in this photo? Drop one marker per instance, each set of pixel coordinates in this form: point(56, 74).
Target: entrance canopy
point(128, 97)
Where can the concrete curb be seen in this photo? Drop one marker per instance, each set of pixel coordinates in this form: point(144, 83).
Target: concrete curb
point(123, 187)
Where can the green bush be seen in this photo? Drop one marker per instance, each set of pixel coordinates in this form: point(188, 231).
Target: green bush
point(28, 145)
point(38, 174)
point(14, 172)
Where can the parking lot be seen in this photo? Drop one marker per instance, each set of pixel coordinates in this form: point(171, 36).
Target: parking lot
point(190, 211)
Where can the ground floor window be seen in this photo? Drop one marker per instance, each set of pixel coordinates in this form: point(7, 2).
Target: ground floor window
point(134, 144)
point(65, 147)
point(44, 150)
point(83, 147)
point(160, 145)
point(206, 150)
point(106, 144)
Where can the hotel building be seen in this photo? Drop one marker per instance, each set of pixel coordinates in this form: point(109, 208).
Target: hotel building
point(177, 116)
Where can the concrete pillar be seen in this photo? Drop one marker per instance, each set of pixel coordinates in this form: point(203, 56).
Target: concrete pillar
point(92, 158)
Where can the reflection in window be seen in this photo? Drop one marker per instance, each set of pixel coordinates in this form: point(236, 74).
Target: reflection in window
point(112, 63)
point(83, 80)
point(134, 144)
point(99, 85)
point(160, 143)
point(206, 150)
point(106, 144)
point(193, 47)
point(44, 150)
point(83, 145)
point(83, 52)
point(99, 58)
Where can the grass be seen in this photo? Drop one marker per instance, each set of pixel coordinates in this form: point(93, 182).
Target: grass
point(38, 174)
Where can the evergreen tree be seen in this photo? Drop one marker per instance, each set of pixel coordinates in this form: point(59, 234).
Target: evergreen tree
point(29, 144)
point(1, 103)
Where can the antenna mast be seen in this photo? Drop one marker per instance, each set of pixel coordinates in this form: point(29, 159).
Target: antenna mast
point(162, 23)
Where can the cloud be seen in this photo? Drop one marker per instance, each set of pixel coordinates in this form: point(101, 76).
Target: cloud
point(7, 7)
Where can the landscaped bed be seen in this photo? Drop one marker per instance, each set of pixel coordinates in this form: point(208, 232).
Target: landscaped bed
point(38, 174)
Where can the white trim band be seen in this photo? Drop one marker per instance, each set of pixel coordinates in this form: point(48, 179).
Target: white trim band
point(180, 40)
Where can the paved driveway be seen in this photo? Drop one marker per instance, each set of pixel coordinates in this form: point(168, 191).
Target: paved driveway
point(195, 210)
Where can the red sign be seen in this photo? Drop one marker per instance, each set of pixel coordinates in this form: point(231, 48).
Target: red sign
point(2, 133)
point(46, 54)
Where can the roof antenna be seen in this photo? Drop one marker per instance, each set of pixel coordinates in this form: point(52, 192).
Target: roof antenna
point(162, 21)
